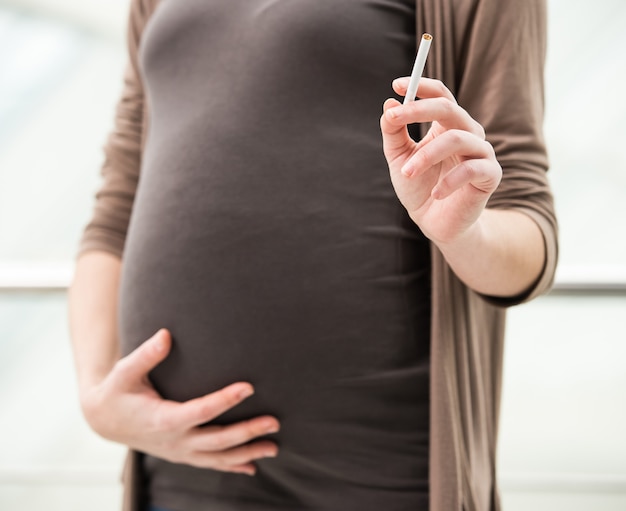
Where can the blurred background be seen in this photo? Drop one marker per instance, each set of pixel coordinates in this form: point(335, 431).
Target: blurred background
point(563, 424)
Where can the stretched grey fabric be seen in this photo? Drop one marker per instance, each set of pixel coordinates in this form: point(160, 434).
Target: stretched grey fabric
point(266, 236)
point(490, 53)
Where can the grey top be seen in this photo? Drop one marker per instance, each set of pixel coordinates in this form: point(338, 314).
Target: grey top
point(266, 235)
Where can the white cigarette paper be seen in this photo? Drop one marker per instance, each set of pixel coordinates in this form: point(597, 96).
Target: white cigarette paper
point(418, 67)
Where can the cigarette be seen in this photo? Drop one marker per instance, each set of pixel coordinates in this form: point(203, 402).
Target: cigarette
point(418, 67)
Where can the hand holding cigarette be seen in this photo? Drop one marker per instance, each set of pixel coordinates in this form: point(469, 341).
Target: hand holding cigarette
point(445, 180)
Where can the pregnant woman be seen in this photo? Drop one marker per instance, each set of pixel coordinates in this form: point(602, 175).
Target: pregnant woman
point(291, 293)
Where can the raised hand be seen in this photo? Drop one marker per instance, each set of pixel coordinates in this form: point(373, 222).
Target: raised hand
point(445, 180)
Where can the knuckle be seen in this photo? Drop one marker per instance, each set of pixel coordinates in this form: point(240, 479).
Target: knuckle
point(227, 398)
point(219, 441)
point(209, 463)
point(121, 366)
point(166, 422)
point(440, 85)
point(443, 91)
point(424, 157)
point(175, 454)
point(125, 366)
point(456, 137)
point(163, 421)
point(121, 370)
point(253, 429)
point(205, 410)
point(449, 108)
point(235, 436)
point(203, 462)
point(263, 449)
point(481, 132)
point(249, 452)
point(468, 170)
point(171, 447)
point(219, 459)
point(409, 110)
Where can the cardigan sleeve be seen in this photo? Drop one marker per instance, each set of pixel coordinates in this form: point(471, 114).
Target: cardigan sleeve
point(106, 230)
point(500, 82)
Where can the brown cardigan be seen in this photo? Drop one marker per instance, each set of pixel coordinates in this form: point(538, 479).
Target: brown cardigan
point(491, 54)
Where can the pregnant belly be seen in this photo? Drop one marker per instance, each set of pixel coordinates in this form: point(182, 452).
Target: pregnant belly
point(294, 304)
point(322, 317)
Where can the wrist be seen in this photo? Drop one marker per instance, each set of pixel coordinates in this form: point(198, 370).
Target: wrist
point(89, 384)
point(501, 254)
point(464, 241)
point(88, 400)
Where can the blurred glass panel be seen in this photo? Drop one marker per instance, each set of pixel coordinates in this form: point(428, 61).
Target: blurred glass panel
point(58, 89)
point(59, 108)
point(104, 18)
point(41, 423)
point(585, 119)
point(68, 497)
point(564, 386)
point(557, 501)
point(562, 410)
point(36, 57)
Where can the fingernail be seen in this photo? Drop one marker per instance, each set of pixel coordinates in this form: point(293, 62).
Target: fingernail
point(247, 391)
point(406, 170)
point(274, 428)
point(159, 343)
point(270, 454)
point(250, 472)
point(393, 113)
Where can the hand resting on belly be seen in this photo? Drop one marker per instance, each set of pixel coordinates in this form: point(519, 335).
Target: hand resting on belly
point(124, 407)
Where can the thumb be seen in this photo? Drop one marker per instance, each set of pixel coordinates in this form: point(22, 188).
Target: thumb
point(134, 367)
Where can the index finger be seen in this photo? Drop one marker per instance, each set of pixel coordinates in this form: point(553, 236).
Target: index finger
point(447, 113)
point(200, 410)
point(428, 88)
point(396, 140)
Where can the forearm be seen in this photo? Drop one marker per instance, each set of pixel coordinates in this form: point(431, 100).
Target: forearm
point(503, 253)
point(92, 308)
